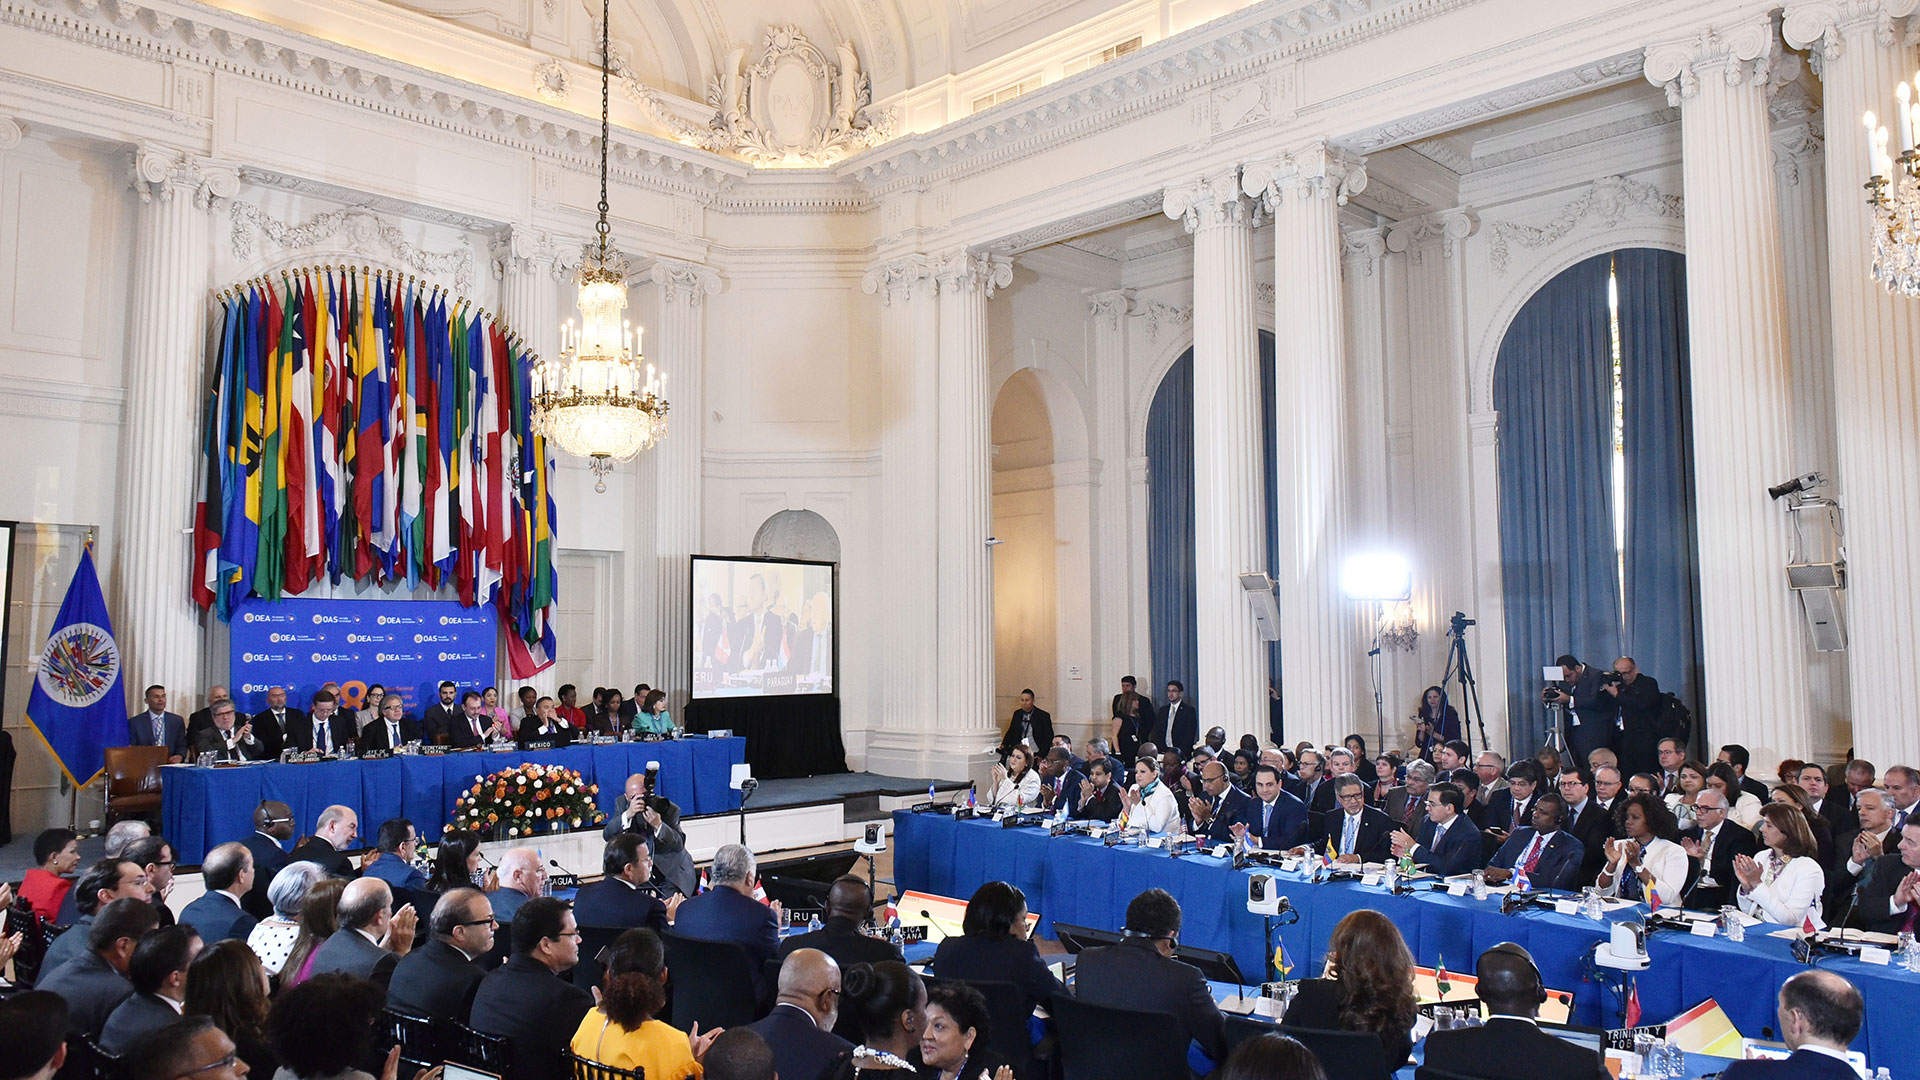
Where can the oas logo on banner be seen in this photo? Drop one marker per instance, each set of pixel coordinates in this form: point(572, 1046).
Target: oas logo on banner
point(79, 665)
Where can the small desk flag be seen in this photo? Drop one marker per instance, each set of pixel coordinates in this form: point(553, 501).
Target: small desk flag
point(77, 705)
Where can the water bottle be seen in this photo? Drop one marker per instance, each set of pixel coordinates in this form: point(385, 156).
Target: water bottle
point(813, 922)
point(1590, 904)
point(1479, 885)
point(1390, 875)
point(898, 937)
point(1881, 1073)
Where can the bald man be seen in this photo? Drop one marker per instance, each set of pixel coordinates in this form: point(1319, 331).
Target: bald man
point(522, 877)
point(1510, 1045)
point(1820, 1015)
point(372, 936)
point(799, 1030)
point(656, 820)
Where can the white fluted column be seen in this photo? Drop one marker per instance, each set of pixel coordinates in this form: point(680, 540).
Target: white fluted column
point(1742, 384)
point(909, 479)
point(155, 621)
point(1304, 190)
point(679, 350)
point(524, 258)
point(1114, 617)
point(1876, 348)
point(967, 282)
point(1230, 687)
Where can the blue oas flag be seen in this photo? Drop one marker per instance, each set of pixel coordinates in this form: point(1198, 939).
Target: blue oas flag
point(77, 705)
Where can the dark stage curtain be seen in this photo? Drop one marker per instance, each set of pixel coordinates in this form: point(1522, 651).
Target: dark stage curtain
point(786, 736)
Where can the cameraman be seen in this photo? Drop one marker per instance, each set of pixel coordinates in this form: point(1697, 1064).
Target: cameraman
point(1638, 698)
point(1592, 711)
point(656, 820)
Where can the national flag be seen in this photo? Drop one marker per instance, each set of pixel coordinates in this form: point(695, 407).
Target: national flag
point(1333, 853)
point(1520, 882)
point(1653, 897)
point(1282, 962)
point(1807, 929)
point(209, 517)
point(271, 515)
point(77, 705)
point(1440, 978)
point(1631, 1017)
point(973, 801)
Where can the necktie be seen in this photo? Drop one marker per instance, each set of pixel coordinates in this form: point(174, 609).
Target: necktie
point(1519, 810)
point(320, 737)
point(1706, 851)
point(1533, 855)
point(1900, 820)
point(393, 734)
point(1347, 837)
point(477, 733)
point(160, 733)
point(1266, 817)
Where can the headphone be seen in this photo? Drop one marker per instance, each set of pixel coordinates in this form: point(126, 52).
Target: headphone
point(1508, 948)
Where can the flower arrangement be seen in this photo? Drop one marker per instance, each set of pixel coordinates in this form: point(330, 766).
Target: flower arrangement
point(527, 799)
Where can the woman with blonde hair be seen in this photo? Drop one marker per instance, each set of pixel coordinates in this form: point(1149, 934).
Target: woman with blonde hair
point(1368, 986)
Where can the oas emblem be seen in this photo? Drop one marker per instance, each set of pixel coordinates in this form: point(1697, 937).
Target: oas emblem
point(79, 666)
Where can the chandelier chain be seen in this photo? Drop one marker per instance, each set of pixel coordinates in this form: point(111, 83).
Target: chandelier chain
point(606, 130)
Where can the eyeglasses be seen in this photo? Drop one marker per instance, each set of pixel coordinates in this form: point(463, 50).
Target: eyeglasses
point(227, 1062)
point(489, 920)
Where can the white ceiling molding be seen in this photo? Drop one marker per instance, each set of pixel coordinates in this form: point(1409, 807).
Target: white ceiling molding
point(1610, 200)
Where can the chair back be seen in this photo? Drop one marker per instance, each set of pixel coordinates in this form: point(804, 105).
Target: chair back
point(1428, 1072)
point(491, 1053)
point(1007, 1016)
point(587, 1069)
point(133, 779)
point(590, 972)
point(711, 982)
point(1359, 1053)
point(1075, 938)
point(87, 1061)
point(418, 1037)
point(1100, 1042)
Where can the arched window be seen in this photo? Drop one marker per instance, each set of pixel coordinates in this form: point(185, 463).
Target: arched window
point(1598, 550)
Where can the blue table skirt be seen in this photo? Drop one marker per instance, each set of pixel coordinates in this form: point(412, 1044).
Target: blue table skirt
point(1082, 882)
point(204, 807)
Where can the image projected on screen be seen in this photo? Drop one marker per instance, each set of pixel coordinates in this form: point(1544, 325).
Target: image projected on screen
point(761, 628)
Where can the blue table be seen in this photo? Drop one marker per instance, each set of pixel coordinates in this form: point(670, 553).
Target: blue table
point(1082, 882)
point(202, 807)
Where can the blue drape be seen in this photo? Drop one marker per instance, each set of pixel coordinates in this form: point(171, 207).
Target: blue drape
point(1172, 633)
point(1554, 392)
point(1663, 580)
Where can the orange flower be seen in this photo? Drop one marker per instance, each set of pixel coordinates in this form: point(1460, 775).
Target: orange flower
point(493, 818)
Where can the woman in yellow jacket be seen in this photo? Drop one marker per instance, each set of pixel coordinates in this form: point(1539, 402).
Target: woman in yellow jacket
point(621, 1031)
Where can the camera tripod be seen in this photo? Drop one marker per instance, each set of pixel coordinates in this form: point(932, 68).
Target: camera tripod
point(1460, 668)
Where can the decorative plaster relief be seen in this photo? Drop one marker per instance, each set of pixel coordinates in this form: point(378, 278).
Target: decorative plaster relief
point(551, 81)
point(1610, 199)
point(364, 231)
point(1163, 316)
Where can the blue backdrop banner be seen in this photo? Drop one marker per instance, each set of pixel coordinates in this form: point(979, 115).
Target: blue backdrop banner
point(407, 646)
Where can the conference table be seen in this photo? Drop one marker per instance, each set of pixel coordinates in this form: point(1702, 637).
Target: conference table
point(205, 806)
point(1082, 882)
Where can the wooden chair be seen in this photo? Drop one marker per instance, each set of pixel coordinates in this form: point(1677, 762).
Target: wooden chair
point(418, 1038)
point(587, 1069)
point(133, 780)
point(492, 1053)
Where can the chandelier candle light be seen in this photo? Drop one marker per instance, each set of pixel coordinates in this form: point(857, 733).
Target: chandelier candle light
point(1894, 194)
point(595, 401)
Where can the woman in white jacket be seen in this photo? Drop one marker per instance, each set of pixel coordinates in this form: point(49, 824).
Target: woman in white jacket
point(1149, 805)
point(1648, 859)
point(1016, 785)
point(1784, 884)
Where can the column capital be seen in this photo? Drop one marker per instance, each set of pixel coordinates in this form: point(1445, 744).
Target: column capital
point(899, 279)
point(1741, 54)
point(967, 272)
point(1822, 26)
point(1442, 230)
point(522, 249)
point(10, 132)
point(1110, 306)
point(1363, 248)
point(1209, 201)
point(159, 172)
point(1314, 170)
point(684, 282)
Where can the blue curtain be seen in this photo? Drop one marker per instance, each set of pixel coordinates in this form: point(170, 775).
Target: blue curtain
point(1553, 388)
point(1663, 579)
point(1172, 633)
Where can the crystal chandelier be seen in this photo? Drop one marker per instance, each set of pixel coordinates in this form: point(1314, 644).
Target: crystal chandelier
point(600, 399)
point(1894, 194)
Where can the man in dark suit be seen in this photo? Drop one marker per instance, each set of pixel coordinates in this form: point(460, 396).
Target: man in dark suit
point(158, 727)
point(1588, 821)
point(656, 820)
point(1889, 890)
point(1140, 973)
point(274, 722)
point(1739, 757)
point(332, 836)
point(392, 729)
point(158, 972)
point(1511, 806)
point(440, 978)
point(1714, 842)
point(225, 741)
point(1308, 778)
point(94, 982)
point(1819, 1015)
point(849, 906)
point(1407, 804)
point(220, 912)
point(372, 936)
point(272, 828)
point(1449, 844)
point(441, 717)
point(1840, 812)
point(1098, 798)
point(1058, 778)
point(1030, 726)
point(202, 718)
point(620, 898)
point(728, 912)
point(1592, 711)
point(326, 730)
point(1855, 852)
point(1550, 854)
point(472, 726)
point(36, 1027)
point(757, 634)
point(545, 725)
point(398, 842)
point(99, 886)
point(799, 1030)
point(526, 1000)
point(1637, 696)
point(1274, 820)
point(1220, 806)
point(1510, 1045)
point(1357, 833)
point(1178, 724)
point(1339, 763)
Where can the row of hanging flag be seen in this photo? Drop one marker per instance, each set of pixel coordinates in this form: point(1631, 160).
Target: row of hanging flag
point(367, 426)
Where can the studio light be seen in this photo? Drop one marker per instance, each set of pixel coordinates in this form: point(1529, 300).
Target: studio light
point(1376, 576)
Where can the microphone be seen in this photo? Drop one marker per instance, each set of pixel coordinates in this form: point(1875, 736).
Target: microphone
point(942, 923)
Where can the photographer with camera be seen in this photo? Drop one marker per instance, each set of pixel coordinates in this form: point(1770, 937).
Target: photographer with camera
point(1638, 697)
point(656, 820)
point(1591, 711)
